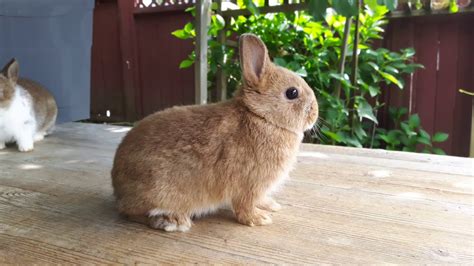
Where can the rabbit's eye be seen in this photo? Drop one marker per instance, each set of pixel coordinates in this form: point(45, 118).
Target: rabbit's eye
point(292, 93)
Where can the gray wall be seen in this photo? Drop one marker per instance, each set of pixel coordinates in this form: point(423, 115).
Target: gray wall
point(52, 41)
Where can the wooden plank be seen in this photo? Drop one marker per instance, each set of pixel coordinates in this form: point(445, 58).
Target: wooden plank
point(393, 159)
point(462, 117)
point(162, 83)
point(106, 72)
point(426, 45)
point(129, 60)
point(446, 88)
point(340, 206)
point(403, 38)
point(203, 14)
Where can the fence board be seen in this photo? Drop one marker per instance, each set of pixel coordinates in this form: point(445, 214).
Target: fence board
point(465, 80)
point(446, 81)
point(162, 83)
point(426, 45)
point(401, 37)
point(106, 73)
point(444, 46)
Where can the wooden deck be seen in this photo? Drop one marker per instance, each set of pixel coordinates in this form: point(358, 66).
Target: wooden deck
point(342, 205)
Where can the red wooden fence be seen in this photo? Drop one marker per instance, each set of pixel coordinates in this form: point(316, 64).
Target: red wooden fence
point(135, 63)
point(444, 44)
point(135, 59)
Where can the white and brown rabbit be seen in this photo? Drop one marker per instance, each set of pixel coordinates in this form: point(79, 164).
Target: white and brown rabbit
point(187, 161)
point(27, 110)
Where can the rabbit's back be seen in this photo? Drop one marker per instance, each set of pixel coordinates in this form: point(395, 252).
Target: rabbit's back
point(44, 104)
point(169, 155)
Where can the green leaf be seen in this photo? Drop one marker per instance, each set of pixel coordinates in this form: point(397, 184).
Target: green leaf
point(440, 137)
point(423, 141)
point(406, 128)
point(293, 65)
point(409, 52)
point(391, 78)
point(424, 134)
point(186, 63)
point(191, 10)
point(391, 70)
point(364, 109)
point(302, 72)
point(317, 8)
point(343, 78)
point(181, 34)
point(252, 7)
point(332, 135)
point(359, 131)
point(414, 121)
point(390, 4)
point(372, 4)
point(374, 91)
point(439, 151)
point(189, 27)
point(394, 136)
point(346, 8)
point(219, 21)
point(426, 150)
point(410, 68)
point(353, 142)
point(385, 138)
point(279, 61)
point(453, 6)
point(373, 65)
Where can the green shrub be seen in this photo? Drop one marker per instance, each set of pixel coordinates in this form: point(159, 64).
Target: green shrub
point(313, 50)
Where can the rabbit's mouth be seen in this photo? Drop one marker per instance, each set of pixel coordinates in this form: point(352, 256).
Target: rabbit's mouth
point(312, 112)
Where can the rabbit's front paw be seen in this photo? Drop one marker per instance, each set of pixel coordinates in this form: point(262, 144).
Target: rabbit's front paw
point(39, 136)
point(25, 145)
point(256, 217)
point(269, 204)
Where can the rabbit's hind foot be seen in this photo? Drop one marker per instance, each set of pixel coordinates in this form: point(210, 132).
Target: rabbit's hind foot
point(170, 222)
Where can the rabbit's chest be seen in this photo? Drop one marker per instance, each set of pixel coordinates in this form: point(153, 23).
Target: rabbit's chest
point(17, 116)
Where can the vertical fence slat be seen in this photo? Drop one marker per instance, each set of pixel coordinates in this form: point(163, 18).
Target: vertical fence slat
point(106, 71)
point(465, 80)
point(426, 45)
point(402, 37)
point(162, 83)
point(446, 81)
point(129, 58)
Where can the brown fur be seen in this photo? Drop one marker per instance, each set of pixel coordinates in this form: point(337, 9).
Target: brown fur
point(44, 104)
point(8, 79)
point(185, 160)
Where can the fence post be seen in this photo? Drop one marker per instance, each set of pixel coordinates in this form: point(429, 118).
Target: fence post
point(203, 14)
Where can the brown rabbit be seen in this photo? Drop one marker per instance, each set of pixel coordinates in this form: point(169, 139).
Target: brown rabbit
point(27, 110)
point(187, 161)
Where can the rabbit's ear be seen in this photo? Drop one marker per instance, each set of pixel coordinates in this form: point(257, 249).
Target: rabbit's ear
point(254, 59)
point(11, 70)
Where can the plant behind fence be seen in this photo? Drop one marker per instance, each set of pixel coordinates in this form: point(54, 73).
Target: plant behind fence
point(348, 93)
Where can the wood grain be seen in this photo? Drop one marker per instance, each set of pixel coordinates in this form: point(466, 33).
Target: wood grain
point(341, 205)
